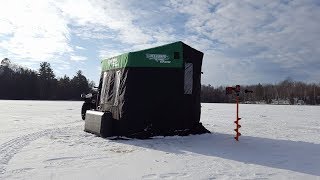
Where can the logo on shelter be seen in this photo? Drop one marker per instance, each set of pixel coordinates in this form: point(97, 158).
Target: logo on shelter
point(113, 62)
point(161, 58)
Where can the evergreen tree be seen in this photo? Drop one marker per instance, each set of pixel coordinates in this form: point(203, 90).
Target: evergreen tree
point(47, 81)
point(79, 85)
point(64, 88)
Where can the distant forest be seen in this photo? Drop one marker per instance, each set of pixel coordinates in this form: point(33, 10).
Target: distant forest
point(285, 92)
point(18, 82)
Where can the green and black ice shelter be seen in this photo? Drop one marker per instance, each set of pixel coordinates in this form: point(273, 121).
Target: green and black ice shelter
point(150, 92)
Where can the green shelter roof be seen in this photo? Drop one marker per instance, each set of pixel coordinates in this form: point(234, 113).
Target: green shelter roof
point(166, 56)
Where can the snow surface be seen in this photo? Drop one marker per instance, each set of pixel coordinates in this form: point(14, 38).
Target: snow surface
point(45, 140)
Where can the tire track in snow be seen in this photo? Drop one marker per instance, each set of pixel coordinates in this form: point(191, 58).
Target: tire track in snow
point(14, 146)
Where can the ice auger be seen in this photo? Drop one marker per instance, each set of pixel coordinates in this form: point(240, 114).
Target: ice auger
point(236, 89)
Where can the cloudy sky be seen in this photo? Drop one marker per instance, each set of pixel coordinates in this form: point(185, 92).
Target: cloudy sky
point(244, 42)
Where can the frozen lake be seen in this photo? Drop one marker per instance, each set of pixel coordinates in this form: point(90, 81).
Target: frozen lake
point(45, 140)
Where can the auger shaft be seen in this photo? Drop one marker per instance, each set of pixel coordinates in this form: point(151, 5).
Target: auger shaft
point(237, 121)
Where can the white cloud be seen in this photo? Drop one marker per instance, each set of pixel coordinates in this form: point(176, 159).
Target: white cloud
point(103, 16)
point(80, 48)
point(37, 31)
point(283, 29)
point(283, 33)
point(6, 27)
point(249, 34)
point(159, 36)
point(77, 58)
point(93, 33)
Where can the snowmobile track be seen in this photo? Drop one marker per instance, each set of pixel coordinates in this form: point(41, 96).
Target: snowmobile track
point(14, 146)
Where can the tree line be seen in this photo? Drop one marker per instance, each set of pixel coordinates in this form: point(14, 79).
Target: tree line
point(17, 82)
point(284, 92)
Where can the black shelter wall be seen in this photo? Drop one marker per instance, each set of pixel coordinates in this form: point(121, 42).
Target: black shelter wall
point(153, 97)
point(148, 97)
point(192, 105)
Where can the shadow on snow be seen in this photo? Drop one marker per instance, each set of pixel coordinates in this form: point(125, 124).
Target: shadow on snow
point(296, 156)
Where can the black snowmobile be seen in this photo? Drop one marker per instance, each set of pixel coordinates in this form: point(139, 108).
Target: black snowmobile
point(90, 102)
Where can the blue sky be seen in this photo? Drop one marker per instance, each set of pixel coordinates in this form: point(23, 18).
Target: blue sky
point(244, 42)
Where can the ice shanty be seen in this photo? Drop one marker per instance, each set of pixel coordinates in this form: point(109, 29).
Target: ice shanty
point(150, 92)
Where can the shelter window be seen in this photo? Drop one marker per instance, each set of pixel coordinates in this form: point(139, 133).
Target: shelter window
point(188, 78)
point(103, 88)
point(116, 87)
point(107, 91)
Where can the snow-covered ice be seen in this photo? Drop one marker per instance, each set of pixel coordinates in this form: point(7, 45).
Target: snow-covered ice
point(45, 140)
